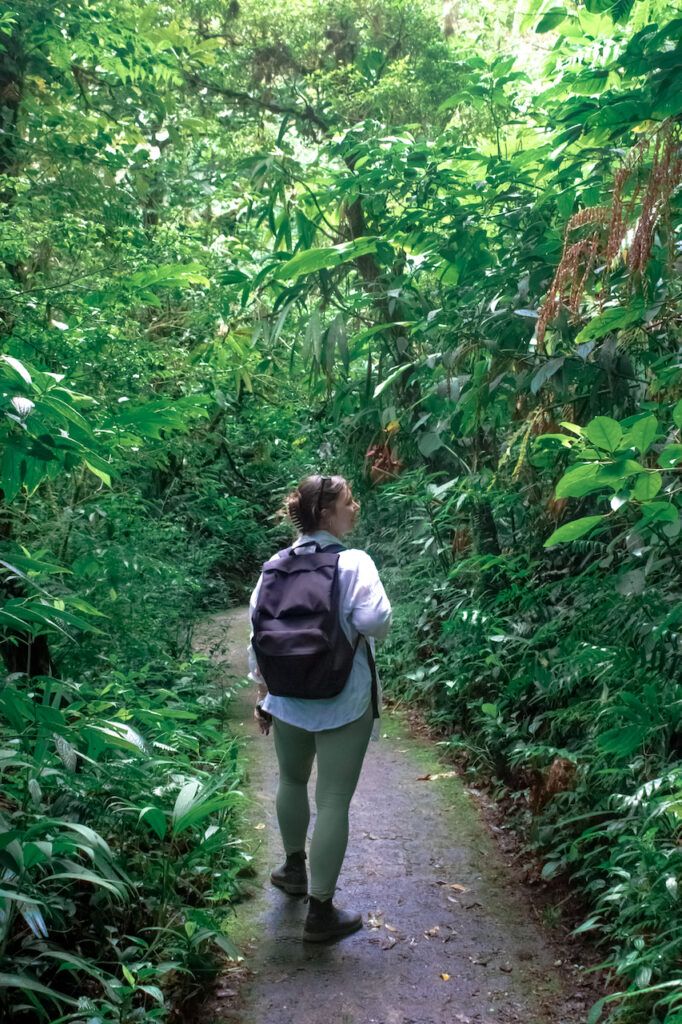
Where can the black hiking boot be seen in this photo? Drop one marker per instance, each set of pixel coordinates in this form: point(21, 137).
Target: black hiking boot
point(325, 921)
point(292, 876)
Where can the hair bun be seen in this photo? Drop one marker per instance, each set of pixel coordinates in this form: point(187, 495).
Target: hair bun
point(314, 494)
point(293, 505)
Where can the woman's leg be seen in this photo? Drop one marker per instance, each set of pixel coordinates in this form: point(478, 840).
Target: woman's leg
point(340, 753)
point(295, 753)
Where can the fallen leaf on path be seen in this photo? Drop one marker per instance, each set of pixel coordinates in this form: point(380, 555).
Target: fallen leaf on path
point(389, 942)
point(458, 887)
point(259, 827)
point(432, 776)
point(445, 977)
point(507, 968)
point(375, 920)
point(390, 928)
point(432, 933)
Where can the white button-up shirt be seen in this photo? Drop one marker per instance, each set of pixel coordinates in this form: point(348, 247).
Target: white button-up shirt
point(364, 608)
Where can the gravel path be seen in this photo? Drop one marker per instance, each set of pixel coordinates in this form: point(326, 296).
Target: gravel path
point(448, 935)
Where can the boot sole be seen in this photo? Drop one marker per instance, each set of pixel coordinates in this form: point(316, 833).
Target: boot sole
point(290, 888)
point(333, 934)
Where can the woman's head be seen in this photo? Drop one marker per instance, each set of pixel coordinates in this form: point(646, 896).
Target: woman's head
point(322, 503)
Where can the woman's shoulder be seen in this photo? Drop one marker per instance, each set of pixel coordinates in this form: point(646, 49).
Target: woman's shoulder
point(356, 558)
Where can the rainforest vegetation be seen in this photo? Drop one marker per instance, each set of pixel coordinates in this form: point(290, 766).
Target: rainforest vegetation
point(435, 247)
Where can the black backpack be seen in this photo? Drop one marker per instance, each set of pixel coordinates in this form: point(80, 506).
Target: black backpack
point(298, 641)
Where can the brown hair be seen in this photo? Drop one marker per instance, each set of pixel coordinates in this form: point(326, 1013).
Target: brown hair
point(315, 493)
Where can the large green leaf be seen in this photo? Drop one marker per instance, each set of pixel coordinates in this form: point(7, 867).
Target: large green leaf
point(677, 415)
point(647, 486)
point(546, 371)
point(81, 874)
point(14, 368)
point(551, 20)
point(641, 434)
point(337, 340)
point(572, 531)
point(203, 809)
point(670, 456)
point(579, 481)
point(393, 376)
point(312, 340)
point(604, 432)
point(146, 282)
point(611, 320)
point(613, 474)
point(155, 818)
point(66, 412)
point(311, 260)
point(623, 740)
point(186, 798)
point(28, 984)
point(660, 512)
point(150, 418)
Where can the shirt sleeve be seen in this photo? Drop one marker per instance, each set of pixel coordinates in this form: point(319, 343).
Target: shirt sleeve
point(366, 600)
point(254, 671)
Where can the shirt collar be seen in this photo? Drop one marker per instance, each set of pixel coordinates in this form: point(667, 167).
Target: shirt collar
point(323, 538)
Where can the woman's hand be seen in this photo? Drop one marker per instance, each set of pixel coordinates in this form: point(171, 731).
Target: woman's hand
point(263, 719)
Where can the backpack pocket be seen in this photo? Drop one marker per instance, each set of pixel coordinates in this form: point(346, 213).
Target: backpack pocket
point(285, 643)
point(297, 663)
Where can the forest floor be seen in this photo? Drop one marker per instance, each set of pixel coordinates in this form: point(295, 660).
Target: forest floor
point(449, 933)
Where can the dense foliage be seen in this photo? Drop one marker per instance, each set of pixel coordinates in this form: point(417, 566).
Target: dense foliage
point(242, 241)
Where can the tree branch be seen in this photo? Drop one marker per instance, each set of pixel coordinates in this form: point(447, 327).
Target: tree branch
point(307, 114)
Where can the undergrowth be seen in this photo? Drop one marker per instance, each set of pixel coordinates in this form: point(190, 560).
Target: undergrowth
point(563, 693)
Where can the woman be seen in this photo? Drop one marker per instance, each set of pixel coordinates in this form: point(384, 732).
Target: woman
point(337, 729)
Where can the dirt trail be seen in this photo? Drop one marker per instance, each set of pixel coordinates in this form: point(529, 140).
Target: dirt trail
point(448, 936)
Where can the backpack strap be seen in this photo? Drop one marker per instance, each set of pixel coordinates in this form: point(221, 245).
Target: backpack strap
point(316, 546)
point(373, 670)
point(375, 681)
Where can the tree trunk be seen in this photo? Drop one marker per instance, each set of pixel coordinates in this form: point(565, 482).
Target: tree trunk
point(12, 69)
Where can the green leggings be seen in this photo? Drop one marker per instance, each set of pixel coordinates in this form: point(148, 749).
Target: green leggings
point(340, 753)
